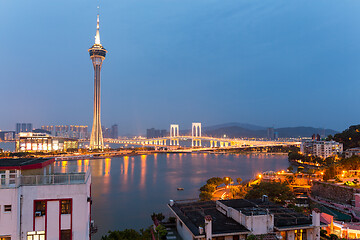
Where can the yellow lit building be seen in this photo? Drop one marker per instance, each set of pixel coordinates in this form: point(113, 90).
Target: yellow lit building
point(41, 142)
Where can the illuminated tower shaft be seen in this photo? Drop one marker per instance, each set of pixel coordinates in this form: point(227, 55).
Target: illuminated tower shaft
point(97, 55)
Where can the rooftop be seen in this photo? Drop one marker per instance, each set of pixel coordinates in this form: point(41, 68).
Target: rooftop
point(192, 214)
point(283, 217)
point(24, 163)
point(40, 180)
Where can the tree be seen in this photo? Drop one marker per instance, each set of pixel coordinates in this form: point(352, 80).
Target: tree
point(290, 168)
point(333, 237)
point(161, 231)
point(208, 188)
point(238, 191)
point(205, 196)
point(158, 216)
point(277, 192)
point(215, 181)
point(331, 172)
point(251, 237)
point(329, 160)
point(238, 180)
point(127, 234)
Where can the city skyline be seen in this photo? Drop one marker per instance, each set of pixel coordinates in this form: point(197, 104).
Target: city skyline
point(212, 62)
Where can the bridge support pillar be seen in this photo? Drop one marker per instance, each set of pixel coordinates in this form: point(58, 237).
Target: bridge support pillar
point(174, 134)
point(221, 144)
point(174, 142)
point(196, 133)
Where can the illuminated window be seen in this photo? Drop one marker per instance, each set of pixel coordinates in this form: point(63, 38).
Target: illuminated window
point(7, 208)
point(38, 235)
point(40, 208)
point(65, 206)
point(5, 238)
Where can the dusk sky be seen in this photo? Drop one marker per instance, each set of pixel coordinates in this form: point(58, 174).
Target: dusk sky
point(265, 62)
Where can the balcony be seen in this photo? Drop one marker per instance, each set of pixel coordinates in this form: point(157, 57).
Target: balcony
point(38, 180)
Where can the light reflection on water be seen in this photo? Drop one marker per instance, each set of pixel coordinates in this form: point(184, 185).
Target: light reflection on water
point(126, 190)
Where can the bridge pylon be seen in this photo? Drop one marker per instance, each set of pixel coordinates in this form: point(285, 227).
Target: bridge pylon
point(195, 134)
point(213, 143)
point(174, 134)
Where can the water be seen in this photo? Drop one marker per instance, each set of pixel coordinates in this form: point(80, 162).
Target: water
point(126, 190)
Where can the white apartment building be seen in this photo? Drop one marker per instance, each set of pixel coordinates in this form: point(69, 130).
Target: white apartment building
point(322, 149)
point(38, 204)
point(236, 219)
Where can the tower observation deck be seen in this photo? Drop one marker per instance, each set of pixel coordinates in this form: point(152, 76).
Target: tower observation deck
point(97, 55)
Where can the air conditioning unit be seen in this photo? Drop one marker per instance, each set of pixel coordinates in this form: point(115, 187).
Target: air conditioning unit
point(38, 214)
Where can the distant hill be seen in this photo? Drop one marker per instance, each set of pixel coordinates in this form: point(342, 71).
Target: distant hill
point(304, 131)
point(248, 130)
point(236, 124)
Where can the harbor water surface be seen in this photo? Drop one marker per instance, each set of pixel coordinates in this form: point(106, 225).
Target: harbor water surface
point(127, 190)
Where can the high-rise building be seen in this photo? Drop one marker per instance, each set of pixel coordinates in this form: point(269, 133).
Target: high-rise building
point(114, 131)
point(7, 135)
point(68, 131)
point(97, 55)
point(270, 133)
point(155, 133)
point(23, 127)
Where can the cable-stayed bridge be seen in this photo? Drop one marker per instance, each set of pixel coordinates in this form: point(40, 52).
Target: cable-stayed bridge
point(174, 139)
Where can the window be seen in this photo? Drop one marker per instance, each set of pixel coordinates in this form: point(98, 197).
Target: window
point(5, 238)
point(12, 177)
point(65, 206)
point(65, 234)
point(7, 208)
point(38, 235)
point(2, 178)
point(40, 207)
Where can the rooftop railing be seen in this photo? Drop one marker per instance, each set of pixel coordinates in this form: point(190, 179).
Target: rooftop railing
point(53, 179)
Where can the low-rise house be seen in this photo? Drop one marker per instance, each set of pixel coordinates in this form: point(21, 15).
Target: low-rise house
point(348, 230)
point(36, 203)
point(352, 152)
point(237, 218)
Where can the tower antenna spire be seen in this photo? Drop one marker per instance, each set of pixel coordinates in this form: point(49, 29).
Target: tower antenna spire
point(97, 36)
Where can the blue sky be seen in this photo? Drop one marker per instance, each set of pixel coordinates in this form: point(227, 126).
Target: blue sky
point(270, 63)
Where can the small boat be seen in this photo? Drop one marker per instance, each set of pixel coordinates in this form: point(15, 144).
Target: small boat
point(180, 189)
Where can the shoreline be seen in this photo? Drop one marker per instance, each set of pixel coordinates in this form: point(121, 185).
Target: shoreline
point(124, 153)
point(130, 154)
